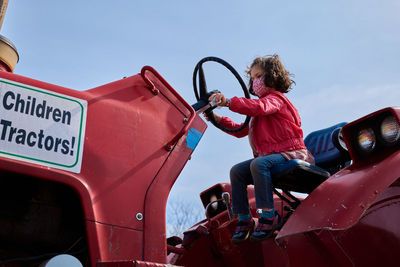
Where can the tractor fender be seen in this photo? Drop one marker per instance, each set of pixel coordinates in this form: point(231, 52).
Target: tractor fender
point(340, 201)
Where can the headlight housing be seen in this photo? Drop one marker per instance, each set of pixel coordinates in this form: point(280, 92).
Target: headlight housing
point(374, 136)
point(390, 130)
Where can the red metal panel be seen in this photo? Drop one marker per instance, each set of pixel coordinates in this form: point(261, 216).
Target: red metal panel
point(118, 243)
point(155, 248)
point(128, 127)
point(375, 240)
point(307, 250)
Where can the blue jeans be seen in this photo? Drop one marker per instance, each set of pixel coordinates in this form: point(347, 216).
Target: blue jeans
point(254, 171)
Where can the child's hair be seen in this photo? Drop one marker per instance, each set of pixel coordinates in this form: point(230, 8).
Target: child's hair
point(275, 74)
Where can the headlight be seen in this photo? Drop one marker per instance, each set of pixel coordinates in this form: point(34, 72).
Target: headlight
point(390, 130)
point(366, 140)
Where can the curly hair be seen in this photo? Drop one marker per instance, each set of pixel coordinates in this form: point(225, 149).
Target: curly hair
point(275, 74)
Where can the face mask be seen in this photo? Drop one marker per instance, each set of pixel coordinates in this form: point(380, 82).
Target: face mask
point(259, 87)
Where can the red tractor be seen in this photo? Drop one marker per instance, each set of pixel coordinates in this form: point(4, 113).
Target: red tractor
point(85, 177)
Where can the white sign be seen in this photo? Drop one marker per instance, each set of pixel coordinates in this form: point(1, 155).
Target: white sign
point(41, 126)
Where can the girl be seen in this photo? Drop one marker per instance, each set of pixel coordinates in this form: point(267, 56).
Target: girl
point(275, 136)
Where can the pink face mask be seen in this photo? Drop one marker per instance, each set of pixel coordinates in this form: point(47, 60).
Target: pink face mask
point(259, 87)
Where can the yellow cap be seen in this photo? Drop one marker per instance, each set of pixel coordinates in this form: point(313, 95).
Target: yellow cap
point(8, 53)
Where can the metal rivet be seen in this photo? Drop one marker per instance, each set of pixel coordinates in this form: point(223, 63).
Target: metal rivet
point(139, 216)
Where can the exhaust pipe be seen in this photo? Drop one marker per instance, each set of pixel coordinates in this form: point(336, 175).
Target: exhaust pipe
point(8, 55)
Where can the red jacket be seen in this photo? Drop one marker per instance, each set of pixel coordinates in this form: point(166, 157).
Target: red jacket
point(275, 123)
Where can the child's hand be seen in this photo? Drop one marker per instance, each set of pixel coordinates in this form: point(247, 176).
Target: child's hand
point(216, 116)
point(218, 97)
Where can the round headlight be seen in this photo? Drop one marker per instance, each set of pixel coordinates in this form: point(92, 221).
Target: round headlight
point(390, 130)
point(366, 140)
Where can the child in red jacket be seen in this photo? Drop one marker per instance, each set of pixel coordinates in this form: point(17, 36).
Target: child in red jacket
point(275, 136)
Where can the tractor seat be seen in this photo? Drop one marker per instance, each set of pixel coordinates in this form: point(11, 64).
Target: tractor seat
point(300, 176)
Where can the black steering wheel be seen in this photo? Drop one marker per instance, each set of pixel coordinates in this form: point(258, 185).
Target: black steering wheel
point(204, 94)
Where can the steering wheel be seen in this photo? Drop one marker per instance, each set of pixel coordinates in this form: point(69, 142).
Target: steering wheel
point(204, 94)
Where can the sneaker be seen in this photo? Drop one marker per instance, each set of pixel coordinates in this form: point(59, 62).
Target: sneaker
point(266, 227)
point(242, 230)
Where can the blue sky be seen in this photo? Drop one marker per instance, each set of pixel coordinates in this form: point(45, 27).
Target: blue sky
point(344, 54)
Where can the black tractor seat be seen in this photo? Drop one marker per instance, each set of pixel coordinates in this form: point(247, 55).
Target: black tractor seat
point(302, 177)
point(298, 176)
